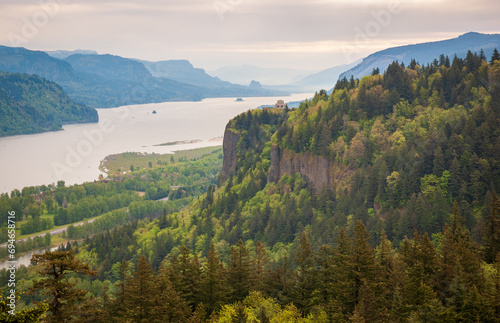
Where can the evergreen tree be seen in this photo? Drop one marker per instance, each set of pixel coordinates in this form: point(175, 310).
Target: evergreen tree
point(139, 291)
point(344, 287)
point(240, 272)
point(305, 281)
point(495, 56)
point(167, 305)
point(214, 288)
point(184, 273)
point(54, 266)
point(261, 262)
point(492, 231)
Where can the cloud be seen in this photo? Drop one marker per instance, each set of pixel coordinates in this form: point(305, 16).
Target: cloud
point(309, 33)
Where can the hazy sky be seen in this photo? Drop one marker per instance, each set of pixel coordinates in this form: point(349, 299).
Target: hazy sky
point(308, 35)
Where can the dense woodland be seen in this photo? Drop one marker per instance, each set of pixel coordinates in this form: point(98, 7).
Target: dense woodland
point(31, 104)
point(411, 235)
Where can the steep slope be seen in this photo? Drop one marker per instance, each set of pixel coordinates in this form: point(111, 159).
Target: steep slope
point(393, 151)
point(21, 60)
point(109, 67)
point(426, 52)
point(31, 104)
point(121, 83)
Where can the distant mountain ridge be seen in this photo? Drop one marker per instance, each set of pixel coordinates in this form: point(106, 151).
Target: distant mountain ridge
point(104, 81)
point(324, 79)
point(62, 54)
point(244, 74)
point(183, 71)
point(31, 104)
point(425, 53)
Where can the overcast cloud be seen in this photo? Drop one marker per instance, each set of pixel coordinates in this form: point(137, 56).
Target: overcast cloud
point(309, 35)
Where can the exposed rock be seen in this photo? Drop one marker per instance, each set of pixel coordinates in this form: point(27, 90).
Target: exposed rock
point(318, 171)
point(229, 147)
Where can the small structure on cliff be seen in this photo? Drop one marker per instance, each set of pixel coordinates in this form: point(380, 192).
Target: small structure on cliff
point(280, 104)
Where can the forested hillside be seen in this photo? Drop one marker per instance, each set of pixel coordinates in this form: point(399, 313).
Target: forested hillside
point(374, 203)
point(31, 104)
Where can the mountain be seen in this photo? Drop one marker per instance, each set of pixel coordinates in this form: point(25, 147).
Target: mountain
point(244, 74)
point(62, 54)
point(104, 81)
point(324, 79)
point(375, 203)
point(426, 52)
point(110, 67)
point(183, 71)
point(31, 104)
point(111, 90)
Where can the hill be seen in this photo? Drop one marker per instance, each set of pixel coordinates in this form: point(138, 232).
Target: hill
point(373, 203)
point(104, 81)
point(426, 52)
point(31, 104)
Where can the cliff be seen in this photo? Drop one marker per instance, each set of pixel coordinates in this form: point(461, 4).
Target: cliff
point(230, 150)
point(318, 171)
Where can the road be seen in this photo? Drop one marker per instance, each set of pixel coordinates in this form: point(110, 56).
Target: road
point(52, 232)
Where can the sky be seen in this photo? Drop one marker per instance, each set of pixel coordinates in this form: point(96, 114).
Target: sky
point(306, 35)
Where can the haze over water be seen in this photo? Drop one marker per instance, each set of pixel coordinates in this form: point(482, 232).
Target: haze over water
point(74, 155)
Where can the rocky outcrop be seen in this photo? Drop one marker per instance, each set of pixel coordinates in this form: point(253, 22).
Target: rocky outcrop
point(230, 151)
point(318, 171)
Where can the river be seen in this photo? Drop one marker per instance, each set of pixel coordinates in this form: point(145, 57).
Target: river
point(24, 259)
point(74, 154)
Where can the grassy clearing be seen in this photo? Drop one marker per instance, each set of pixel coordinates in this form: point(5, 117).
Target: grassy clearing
point(122, 162)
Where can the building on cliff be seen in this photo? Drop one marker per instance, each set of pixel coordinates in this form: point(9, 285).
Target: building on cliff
point(280, 104)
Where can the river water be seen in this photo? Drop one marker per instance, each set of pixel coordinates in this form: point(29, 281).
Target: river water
point(24, 259)
point(74, 154)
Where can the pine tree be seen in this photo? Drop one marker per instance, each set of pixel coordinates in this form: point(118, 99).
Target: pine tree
point(492, 231)
point(261, 262)
point(184, 273)
point(240, 272)
point(214, 288)
point(138, 292)
point(495, 56)
point(54, 266)
point(366, 274)
point(325, 281)
point(167, 304)
point(305, 284)
point(344, 286)
point(117, 307)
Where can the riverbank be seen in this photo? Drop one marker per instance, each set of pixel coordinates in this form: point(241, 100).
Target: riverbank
point(119, 163)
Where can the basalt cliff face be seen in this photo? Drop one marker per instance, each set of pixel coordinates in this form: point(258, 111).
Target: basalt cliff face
point(318, 171)
point(230, 149)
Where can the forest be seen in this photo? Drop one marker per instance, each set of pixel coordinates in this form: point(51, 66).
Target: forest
point(409, 232)
point(31, 104)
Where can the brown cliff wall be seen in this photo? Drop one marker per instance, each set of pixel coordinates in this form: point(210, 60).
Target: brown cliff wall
point(318, 171)
point(229, 147)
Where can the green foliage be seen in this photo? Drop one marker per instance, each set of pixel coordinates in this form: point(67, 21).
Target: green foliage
point(54, 267)
point(31, 104)
point(400, 149)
